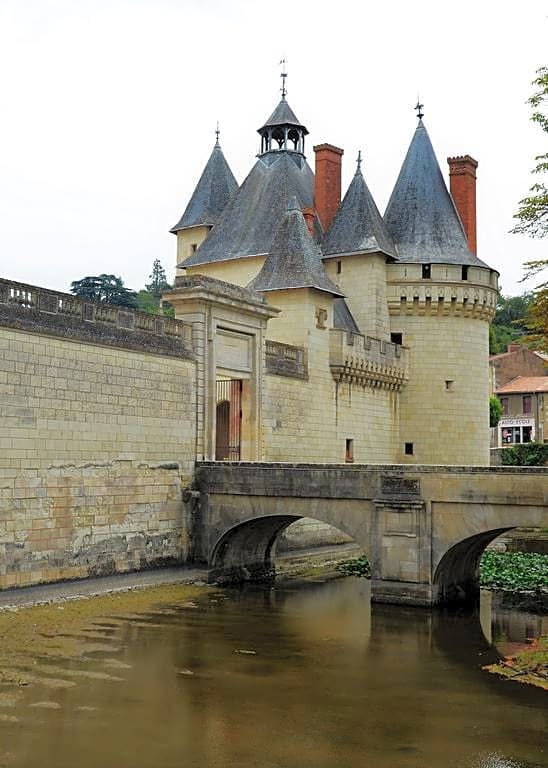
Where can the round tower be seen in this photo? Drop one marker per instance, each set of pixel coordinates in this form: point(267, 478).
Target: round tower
point(441, 299)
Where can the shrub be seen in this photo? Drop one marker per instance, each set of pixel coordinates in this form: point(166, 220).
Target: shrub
point(525, 455)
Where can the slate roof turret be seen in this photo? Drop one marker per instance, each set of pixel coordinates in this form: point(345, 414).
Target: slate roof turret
point(358, 226)
point(213, 191)
point(283, 115)
point(249, 222)
point(294, 260)
point(421, 215)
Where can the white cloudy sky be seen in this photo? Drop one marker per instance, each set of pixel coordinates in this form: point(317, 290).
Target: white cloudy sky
point(108, 110)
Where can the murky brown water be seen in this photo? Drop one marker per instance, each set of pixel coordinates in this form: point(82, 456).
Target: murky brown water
point(331, 682)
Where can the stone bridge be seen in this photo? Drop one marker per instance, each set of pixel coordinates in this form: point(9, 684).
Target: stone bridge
point(423, 528)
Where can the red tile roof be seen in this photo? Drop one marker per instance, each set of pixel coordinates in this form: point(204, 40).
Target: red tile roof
point(524, 384)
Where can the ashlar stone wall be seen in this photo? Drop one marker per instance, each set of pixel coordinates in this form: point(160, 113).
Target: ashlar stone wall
point(96, 443)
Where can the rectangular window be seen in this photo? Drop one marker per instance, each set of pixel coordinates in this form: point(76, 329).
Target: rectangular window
point(465, 273)
point(349, 450)
point(526, 403)
point(504, 403)
point(449, 385)
point(426, 271)
point(321, 317)
point(339, 267)
point(193, 247)
point(409, 449)
point(396, 338)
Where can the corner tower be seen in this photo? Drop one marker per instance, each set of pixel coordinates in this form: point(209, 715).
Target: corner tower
point(441, 298)
point(210, 197)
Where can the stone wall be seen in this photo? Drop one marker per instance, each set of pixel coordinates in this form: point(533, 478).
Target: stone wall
point(97, 440)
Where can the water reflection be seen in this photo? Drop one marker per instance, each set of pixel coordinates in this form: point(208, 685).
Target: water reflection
point(298, 676)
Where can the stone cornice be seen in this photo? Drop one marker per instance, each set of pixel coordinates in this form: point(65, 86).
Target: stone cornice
point(422, 297)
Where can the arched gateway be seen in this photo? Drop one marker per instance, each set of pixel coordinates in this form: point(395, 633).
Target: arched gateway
point(424, 528)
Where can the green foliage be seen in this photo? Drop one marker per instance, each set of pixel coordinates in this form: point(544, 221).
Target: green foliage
point(108, 289)
point(513, 570)
point(525, 455)
point(509, 322)
point(147, 302)
point(158, 281)
point(532, 213)
point(495, 411)
point(356, 566)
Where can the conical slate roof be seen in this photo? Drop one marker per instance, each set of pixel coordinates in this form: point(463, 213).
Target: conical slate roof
point(358, 226)
point(294, 260)
point(213, 191)
point(282, 115)
point(421, 215)
point(249, 222)
point(343, 318)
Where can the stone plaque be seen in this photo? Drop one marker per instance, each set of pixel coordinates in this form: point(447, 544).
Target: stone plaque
point(48, 303)
point(234, 350)
point(399, 486)
point(126, 320)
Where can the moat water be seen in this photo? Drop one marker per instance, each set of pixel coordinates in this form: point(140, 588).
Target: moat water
point(305, 675)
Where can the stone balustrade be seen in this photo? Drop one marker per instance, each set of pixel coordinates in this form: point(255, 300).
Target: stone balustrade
point(286, 360)
point(366, 361)
point(28, 307)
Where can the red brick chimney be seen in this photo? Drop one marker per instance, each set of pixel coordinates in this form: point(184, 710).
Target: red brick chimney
point(327, 192)
point(462, 182)
point(309, 216)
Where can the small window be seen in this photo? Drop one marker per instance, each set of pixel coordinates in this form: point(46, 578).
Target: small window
point(349, 450)
point(465, 273)
point(527, 404)
point(339, 267)
point(409, 449)
point(321, 317)
point(193, 247)
point(426, 271)
point(396, 338)
point(449, 385)
point(504, 403)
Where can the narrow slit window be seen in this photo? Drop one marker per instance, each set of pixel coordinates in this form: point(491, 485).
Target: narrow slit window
point(349, 450)
point(339, 267)
point(465, 273)
point(426, 271)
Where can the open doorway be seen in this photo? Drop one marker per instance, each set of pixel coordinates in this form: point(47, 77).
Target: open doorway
point(228, 431)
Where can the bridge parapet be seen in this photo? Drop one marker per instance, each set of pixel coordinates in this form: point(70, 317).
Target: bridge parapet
point(27, 307)
point(367, 361)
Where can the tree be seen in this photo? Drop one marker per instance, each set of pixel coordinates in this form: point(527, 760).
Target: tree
point(509, 322)
point(158, 281)
point(533, 209)
point(532, 215)
point(108, 289)
point(495, 411)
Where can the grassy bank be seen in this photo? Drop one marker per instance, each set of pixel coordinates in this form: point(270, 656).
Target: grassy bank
point(529, 665)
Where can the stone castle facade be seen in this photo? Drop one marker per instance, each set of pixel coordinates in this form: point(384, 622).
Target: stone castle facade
point(353, 336)
point(307, 329)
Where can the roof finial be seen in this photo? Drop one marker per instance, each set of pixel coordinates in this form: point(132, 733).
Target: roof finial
point(217, 132)
point(359, 162)
point(283, 75)
point(418, 107)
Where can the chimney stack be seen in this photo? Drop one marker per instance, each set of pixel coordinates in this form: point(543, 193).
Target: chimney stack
point(327, 191)
point(462, 182)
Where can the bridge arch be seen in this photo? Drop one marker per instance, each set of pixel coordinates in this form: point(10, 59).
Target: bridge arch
point(457, 574)
point(245, 551)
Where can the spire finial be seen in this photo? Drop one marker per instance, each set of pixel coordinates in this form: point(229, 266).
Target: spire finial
point(283, 75)
point(359, 162)
point(217, 132)
point(418, 107)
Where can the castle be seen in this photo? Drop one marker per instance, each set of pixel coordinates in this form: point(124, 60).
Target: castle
point(325, 332)
point(307, 330)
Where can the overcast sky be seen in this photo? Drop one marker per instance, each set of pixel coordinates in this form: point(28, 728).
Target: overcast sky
point(108, 110)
